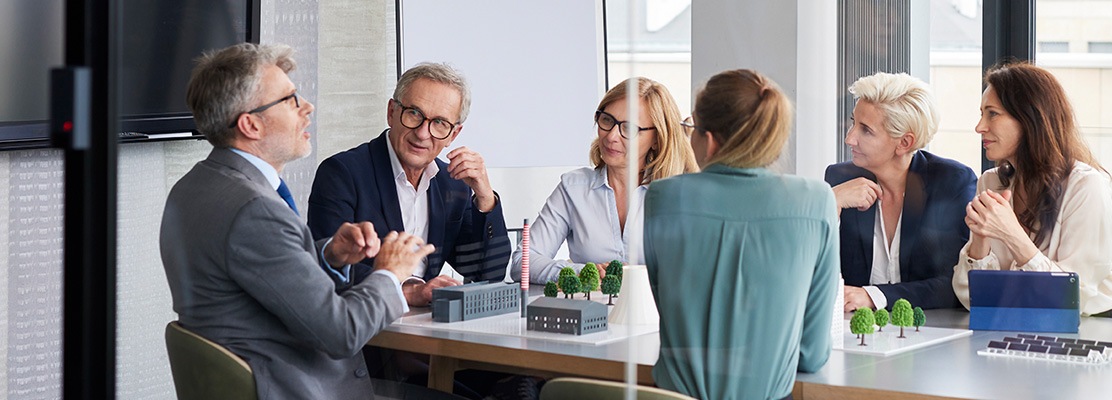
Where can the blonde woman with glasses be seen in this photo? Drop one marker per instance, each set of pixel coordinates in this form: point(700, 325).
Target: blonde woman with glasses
point(589, 208)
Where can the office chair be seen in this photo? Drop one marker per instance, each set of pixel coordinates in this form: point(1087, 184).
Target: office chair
point(580, 388)
point(205, 370)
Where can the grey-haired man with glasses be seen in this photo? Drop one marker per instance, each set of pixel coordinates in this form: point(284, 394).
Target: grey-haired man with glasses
point(242, 267)
point(397, 182)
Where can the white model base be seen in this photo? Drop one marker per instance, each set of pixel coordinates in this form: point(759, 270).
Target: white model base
point(887, 343)
point(514, 325)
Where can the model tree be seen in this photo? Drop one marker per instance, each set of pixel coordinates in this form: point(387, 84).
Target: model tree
point(881, 319)
point(919, 318)
point(550, 289)
point(569, 284)
point(614, 268)
point(588, 279)
point(862, 323)
point(566, 271)
point(902, 315)
point(610, 286)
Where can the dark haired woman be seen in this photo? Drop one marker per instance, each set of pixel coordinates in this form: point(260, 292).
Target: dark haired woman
point(1047, 206)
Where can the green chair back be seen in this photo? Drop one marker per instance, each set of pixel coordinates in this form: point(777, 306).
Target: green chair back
point(205, 370)
point(580, 388)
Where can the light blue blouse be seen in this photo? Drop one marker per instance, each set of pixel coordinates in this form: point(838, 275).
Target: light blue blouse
point(582, 210)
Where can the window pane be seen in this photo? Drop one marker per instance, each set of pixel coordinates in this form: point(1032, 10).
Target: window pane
point(1085, 67)
point(1054, 47)
point(955, 65)
point(659, 49)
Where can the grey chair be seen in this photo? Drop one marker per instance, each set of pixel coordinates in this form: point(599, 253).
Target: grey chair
point(580, 388)
point(203, 369)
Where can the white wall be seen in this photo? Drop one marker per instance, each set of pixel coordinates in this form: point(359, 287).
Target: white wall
point(794, 42)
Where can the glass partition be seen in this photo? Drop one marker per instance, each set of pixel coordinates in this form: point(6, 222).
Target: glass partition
point(955, 77)
point(1073, 40)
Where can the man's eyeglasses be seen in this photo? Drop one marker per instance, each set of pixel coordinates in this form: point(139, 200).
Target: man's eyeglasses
point(267, 106)
point(607, 122)
point(689, 126)
point(413, 118)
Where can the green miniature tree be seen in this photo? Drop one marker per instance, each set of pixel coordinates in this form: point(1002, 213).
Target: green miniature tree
point(566, 271)
point(862, 323)
point(614, 268)
point(550, 289)
point(588, 279)
point(569, 284)
point(610, 286)
point(902, 315)
point(881, 319)
point(919, 318)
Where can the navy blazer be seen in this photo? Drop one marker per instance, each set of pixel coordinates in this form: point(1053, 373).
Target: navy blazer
point(932, 234)
point(358, 185)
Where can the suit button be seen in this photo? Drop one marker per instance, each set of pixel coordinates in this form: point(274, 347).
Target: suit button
point(360, 372)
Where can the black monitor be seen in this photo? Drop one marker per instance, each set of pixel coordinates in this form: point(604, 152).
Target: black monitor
point(159, 41)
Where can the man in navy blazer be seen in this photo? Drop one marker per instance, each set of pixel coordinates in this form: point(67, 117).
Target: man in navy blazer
point(397, 182)
point(932, 232)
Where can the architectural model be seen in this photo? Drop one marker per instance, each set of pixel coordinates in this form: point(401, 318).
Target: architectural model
point(474, 300)
point(577, 317)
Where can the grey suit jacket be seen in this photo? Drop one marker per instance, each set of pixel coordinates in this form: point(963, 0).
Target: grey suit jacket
point(244, 272)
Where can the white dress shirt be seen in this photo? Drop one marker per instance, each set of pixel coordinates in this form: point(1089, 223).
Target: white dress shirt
point(1079, 242)
point(413, 201)
point(583, 211)
point(886, 258)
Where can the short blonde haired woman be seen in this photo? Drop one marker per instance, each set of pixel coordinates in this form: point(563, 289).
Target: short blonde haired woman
point(902, 208)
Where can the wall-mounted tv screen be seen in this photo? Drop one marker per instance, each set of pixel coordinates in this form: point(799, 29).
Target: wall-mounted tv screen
point(31, 35)
point(158, 42)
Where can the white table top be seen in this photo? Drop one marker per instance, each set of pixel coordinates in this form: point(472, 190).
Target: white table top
point(951, 369)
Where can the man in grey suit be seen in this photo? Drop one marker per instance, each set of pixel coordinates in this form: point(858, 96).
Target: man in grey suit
point(243, 269)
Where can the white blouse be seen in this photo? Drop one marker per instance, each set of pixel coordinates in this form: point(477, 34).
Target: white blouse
point(582, 210)
point(886, 258)
point(1080, 241)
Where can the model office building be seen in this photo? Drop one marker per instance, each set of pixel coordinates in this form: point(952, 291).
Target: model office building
point(577, 317)
point(474, 300)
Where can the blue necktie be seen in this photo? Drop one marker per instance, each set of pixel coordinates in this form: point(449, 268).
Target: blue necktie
point(284, 191)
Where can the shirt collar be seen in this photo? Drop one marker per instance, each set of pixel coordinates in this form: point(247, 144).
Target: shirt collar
point(396, 166)
point(268, 170)
point(727, 170)
point(599, 180)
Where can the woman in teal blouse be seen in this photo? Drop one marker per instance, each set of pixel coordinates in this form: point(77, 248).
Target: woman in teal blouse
point(743, 261)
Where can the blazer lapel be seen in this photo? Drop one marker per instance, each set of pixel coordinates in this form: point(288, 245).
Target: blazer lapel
point(384, 179)
point(915, 201)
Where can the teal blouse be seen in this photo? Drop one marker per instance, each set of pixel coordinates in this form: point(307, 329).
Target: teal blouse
point(743, 264)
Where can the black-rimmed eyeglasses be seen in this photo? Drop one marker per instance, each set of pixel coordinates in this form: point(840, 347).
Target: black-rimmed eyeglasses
point(267, 106)
point(413, 118)
point(607, 123)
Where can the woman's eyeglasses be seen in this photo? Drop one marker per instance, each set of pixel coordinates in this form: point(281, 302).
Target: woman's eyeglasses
point(607, 123)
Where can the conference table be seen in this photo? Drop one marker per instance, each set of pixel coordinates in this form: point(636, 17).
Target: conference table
point(951, 369)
